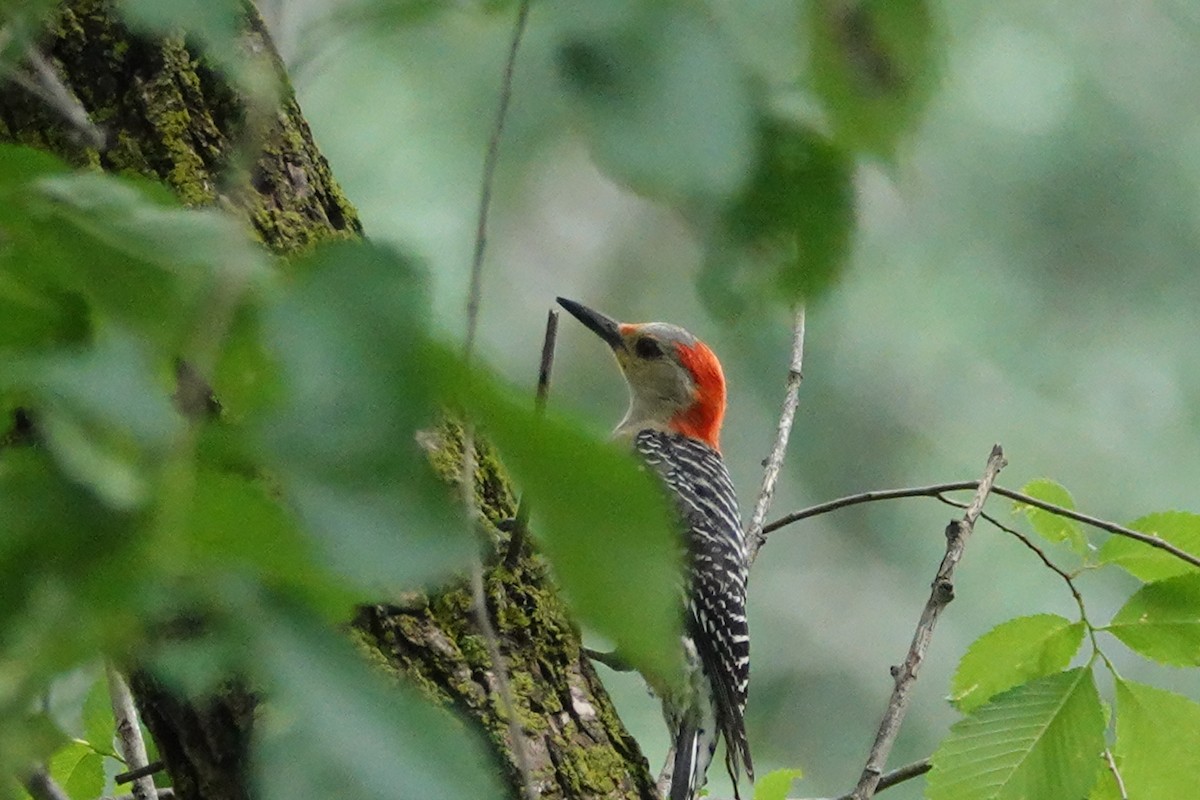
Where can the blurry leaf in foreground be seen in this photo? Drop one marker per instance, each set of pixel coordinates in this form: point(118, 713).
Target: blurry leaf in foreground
point(1158, 741)
point(594, 506)
point(215, 22)
point(1180, 528)
point(873, 64)
point(63, 531)
point(660, 98)
point(350, 340)
point(102, 411)
point(1162, 621)
point(335, 729)
point(775, 785)
point(1012, 653)
point(1040, 739)
point(1049, 526)
point(121, 248)
point(788, 233)
point(236, 524)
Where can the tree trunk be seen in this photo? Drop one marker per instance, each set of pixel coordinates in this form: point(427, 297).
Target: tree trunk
point(168, 114)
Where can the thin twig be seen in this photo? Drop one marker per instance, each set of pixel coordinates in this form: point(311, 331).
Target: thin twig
point(942, 592)
point(1116, 773)
point(41, 786)
point(490, 159)
point(521, 523)
point(474, 292)
point(134, 774)
point(941, 488)
point(129, 733)
point(755, 535)
point(1104, 525)
point(893, 778)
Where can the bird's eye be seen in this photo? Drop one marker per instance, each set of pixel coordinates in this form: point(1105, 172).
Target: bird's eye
point(647, 348)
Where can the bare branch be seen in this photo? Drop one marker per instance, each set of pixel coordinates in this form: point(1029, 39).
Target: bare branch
point(41, 786)
point(755, 534)
point(129, 733)
point(942, 592)
point(867, 497)
point(490, 160)
point(521, 523)
point(134, 774)
point(938, 489)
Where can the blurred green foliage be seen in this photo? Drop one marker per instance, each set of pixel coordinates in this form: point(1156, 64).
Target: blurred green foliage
point(754, 134)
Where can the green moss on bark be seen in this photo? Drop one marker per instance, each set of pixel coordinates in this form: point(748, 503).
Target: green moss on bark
point(576, 742)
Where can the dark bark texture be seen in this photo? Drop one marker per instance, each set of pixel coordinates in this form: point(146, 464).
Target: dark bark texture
point(168, 114)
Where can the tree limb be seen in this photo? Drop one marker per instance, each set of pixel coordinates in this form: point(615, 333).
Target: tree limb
point(755, 533)
point(938, 489)
point(942, 592)
point(129, 733)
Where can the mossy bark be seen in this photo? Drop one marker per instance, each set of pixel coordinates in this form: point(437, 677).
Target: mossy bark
point(168, 114)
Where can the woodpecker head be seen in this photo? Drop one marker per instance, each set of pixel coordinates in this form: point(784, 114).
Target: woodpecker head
point(675, 381)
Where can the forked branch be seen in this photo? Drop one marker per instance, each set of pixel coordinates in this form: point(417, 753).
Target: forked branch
point(941, 593)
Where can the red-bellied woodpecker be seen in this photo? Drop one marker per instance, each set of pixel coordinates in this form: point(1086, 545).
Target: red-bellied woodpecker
point(676, 406)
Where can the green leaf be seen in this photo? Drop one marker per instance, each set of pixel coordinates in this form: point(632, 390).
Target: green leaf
point(775, 785)
point(1158, 741)
point(79, 771)
point(99, 727)
point(788, 233)
point(124, 246)
point(141, 221)
point(660, 98)
point(594, 505)
point(236, 523)
point(1180, 528)
point(1106, 787)
point(1012, 653)
point(1050, 526)
point(1040, 739)
point(873, 64)
point(356, 383)
point(215, 22)
point(1162, 621)
point(102, 411)
point(334, 729)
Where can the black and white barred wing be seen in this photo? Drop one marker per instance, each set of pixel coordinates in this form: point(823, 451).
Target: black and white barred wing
point(717, 569)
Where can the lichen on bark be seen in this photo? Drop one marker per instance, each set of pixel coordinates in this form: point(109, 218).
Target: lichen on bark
point(576, 742)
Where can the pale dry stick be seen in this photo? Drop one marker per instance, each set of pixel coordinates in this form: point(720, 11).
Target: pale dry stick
point(942, 592)
point(755, 534)
point(47, 86)
point(474, 293)
point(129, 733)
point(1116, 773)
point(490, 159)
point(940, 488)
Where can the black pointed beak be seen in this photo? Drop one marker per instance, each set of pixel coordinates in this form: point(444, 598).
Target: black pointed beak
point(606, 328)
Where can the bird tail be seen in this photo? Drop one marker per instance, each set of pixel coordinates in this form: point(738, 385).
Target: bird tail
point(693, 753)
